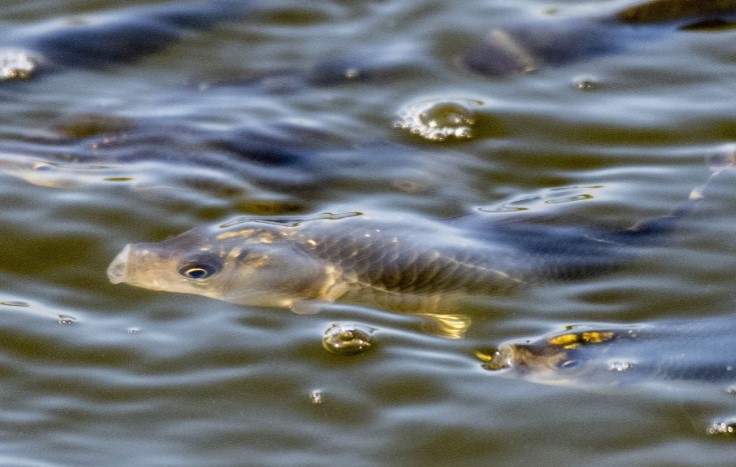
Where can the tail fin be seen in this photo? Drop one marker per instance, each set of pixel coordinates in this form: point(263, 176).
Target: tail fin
point(660, 11)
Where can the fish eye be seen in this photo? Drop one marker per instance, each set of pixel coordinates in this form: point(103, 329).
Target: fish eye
point(199, 269)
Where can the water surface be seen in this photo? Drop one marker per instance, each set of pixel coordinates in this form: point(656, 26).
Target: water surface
point(96, 371)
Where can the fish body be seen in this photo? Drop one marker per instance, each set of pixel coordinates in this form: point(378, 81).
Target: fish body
point(600, 356)
point(350, 257)
point(396, 262)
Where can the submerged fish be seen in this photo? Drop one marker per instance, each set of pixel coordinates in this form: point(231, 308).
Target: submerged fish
point(98, 40)
point(526, 47)
point(275, 170)
point(601, 356)
point(101, 39)
point(403, 263)
point(396, 262)
point(693, 361)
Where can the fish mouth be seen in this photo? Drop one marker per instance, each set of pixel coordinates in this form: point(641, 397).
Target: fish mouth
point(118, 269)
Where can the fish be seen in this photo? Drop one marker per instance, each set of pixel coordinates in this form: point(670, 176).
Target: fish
point(692, 361)
point(527, 47)
point(393, 261)
point(600, 356)
point(273, 171)
point(83, 153)
point(397, 262)
point(100, 40)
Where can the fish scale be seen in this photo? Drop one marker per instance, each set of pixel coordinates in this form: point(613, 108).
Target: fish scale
point(402, 266)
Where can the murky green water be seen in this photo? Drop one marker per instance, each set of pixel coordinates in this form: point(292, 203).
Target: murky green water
point(94, 372)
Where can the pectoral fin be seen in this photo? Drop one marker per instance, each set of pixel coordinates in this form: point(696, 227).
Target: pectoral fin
point(305, 307)
point(452, 326)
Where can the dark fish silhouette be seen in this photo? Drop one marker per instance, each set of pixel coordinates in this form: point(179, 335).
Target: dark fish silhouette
point(527, 47)
point(98, 40)
point(276, 168)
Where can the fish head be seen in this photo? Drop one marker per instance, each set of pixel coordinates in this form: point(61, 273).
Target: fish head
point(254, 263)
point(572, 358)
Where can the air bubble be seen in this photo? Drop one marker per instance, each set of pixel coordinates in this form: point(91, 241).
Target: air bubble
point(620, 366)
point(316, 397)
point(17, 64)
point(344, 339)
point(67, 320)
point(439, 119)
point(721, 427)
point(586, 83)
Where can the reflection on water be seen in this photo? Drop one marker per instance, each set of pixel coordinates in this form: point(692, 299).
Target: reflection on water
point(289, 110)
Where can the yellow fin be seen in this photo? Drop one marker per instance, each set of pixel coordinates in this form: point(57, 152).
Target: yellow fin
point(305, 307)
point(574, 340)
point(450, 326)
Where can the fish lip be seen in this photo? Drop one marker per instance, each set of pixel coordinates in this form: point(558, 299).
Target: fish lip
point(118, 269)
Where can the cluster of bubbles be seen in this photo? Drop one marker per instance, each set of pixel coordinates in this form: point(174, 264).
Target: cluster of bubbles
point(439, 119)
point(18, 64)
point(316, 397)
point(722, 427)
